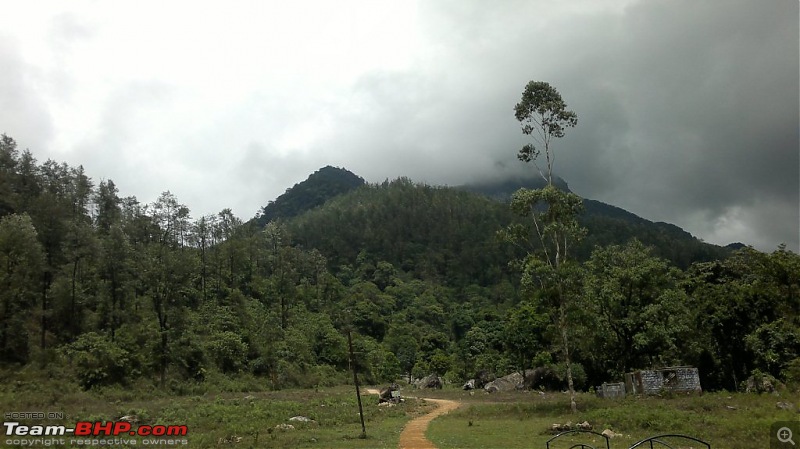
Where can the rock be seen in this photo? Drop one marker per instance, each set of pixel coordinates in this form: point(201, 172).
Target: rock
point(556, 428)
point(482, 378)
point(785, 405)
point(386, 404)
point(584, 426)
point(470, 385)
point(505, 383)
point(229, 440)
point(730, 407)
point(534, 379)
point(301, 419)
point(133, 419)
point(610, 433)
point(389, 394)
point(761, 383)
point(431, 381)
point(284, 427)
point(541, 378)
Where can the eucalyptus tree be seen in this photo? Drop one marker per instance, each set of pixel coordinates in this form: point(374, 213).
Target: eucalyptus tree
point(548, 271)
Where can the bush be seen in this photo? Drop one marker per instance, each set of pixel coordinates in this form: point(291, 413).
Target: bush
point(99, 361)
point(791, 374)
point(228, 351)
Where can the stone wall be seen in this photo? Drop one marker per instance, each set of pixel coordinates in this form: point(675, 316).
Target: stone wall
point(611, 390)
point(679, 379)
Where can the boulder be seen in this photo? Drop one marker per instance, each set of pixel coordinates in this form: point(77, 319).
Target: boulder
point(482, 378)
point(470, 385)
point(505, 383)
point(761, 383)
point(301, 419)
point(430, 381)
point(389, 394)
point(541, 377)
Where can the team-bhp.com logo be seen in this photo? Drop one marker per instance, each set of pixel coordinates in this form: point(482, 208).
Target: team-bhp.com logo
point(92, 431)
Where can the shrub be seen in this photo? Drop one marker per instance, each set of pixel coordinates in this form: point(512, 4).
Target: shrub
point(99, 361)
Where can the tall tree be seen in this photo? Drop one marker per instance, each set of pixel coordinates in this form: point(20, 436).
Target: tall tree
point(169, 275)
point(21, 264)
point(547, 268)
point(544, 116)
point(8, 174)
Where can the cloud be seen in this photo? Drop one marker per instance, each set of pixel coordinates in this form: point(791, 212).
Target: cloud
point(687, 111)
point(25, 116)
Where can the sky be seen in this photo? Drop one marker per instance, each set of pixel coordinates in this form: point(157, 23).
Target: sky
point(687, 109)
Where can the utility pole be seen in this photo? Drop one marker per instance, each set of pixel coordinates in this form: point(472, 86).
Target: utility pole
point(355, 381)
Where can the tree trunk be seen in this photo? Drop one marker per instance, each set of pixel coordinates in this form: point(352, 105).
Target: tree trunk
point(565, 348)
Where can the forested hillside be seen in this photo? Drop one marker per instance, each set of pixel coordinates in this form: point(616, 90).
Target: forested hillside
point(322, 185)
point(100, 289)
point(610, 224)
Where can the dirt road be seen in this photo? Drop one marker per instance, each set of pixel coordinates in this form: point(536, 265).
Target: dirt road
point(413, 435)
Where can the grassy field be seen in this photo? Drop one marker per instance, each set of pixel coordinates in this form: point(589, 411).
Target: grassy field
point(523, 419)
point(243, 419)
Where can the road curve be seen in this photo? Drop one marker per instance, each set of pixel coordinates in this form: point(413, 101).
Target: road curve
point(413, 435)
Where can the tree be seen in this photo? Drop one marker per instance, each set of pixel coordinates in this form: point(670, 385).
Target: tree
point(8, 174)
point(22, 261)
point(640, 311)
point(547, 268)
point(544, 116)
point(168, 272)
point(524, 333)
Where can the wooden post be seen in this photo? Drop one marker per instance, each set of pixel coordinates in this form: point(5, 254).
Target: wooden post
point(355, 381)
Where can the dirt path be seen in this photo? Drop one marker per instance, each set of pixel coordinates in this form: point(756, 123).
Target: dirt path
point(413, 435)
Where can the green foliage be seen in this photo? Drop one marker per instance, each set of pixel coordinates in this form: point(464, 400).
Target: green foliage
point(544, 116)
point(21, 259)
point(792, 374)
point(145, 295)
point(434, 234)
point(228, 351)
point(639, 313)
point(524, 334)
point(324, 184)
point(99, 361)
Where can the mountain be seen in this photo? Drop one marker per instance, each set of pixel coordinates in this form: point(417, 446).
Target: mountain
point(503, 189)
point(322, 185)
point(413, 226)
point(609, 224)
point(440, 234)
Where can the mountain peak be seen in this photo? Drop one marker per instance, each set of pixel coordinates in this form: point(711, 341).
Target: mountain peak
point(318, 188)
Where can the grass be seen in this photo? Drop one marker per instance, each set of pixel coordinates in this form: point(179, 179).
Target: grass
point(217, 419)
point(522, 420)
point(502, 420)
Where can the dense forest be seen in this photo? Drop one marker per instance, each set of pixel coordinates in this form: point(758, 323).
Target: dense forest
point(104, 290)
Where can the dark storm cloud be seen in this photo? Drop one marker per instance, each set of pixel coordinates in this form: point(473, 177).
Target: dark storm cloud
point(688, 111)
point(709, 97)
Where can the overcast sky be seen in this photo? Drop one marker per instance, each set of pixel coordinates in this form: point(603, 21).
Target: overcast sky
point(687, 110)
